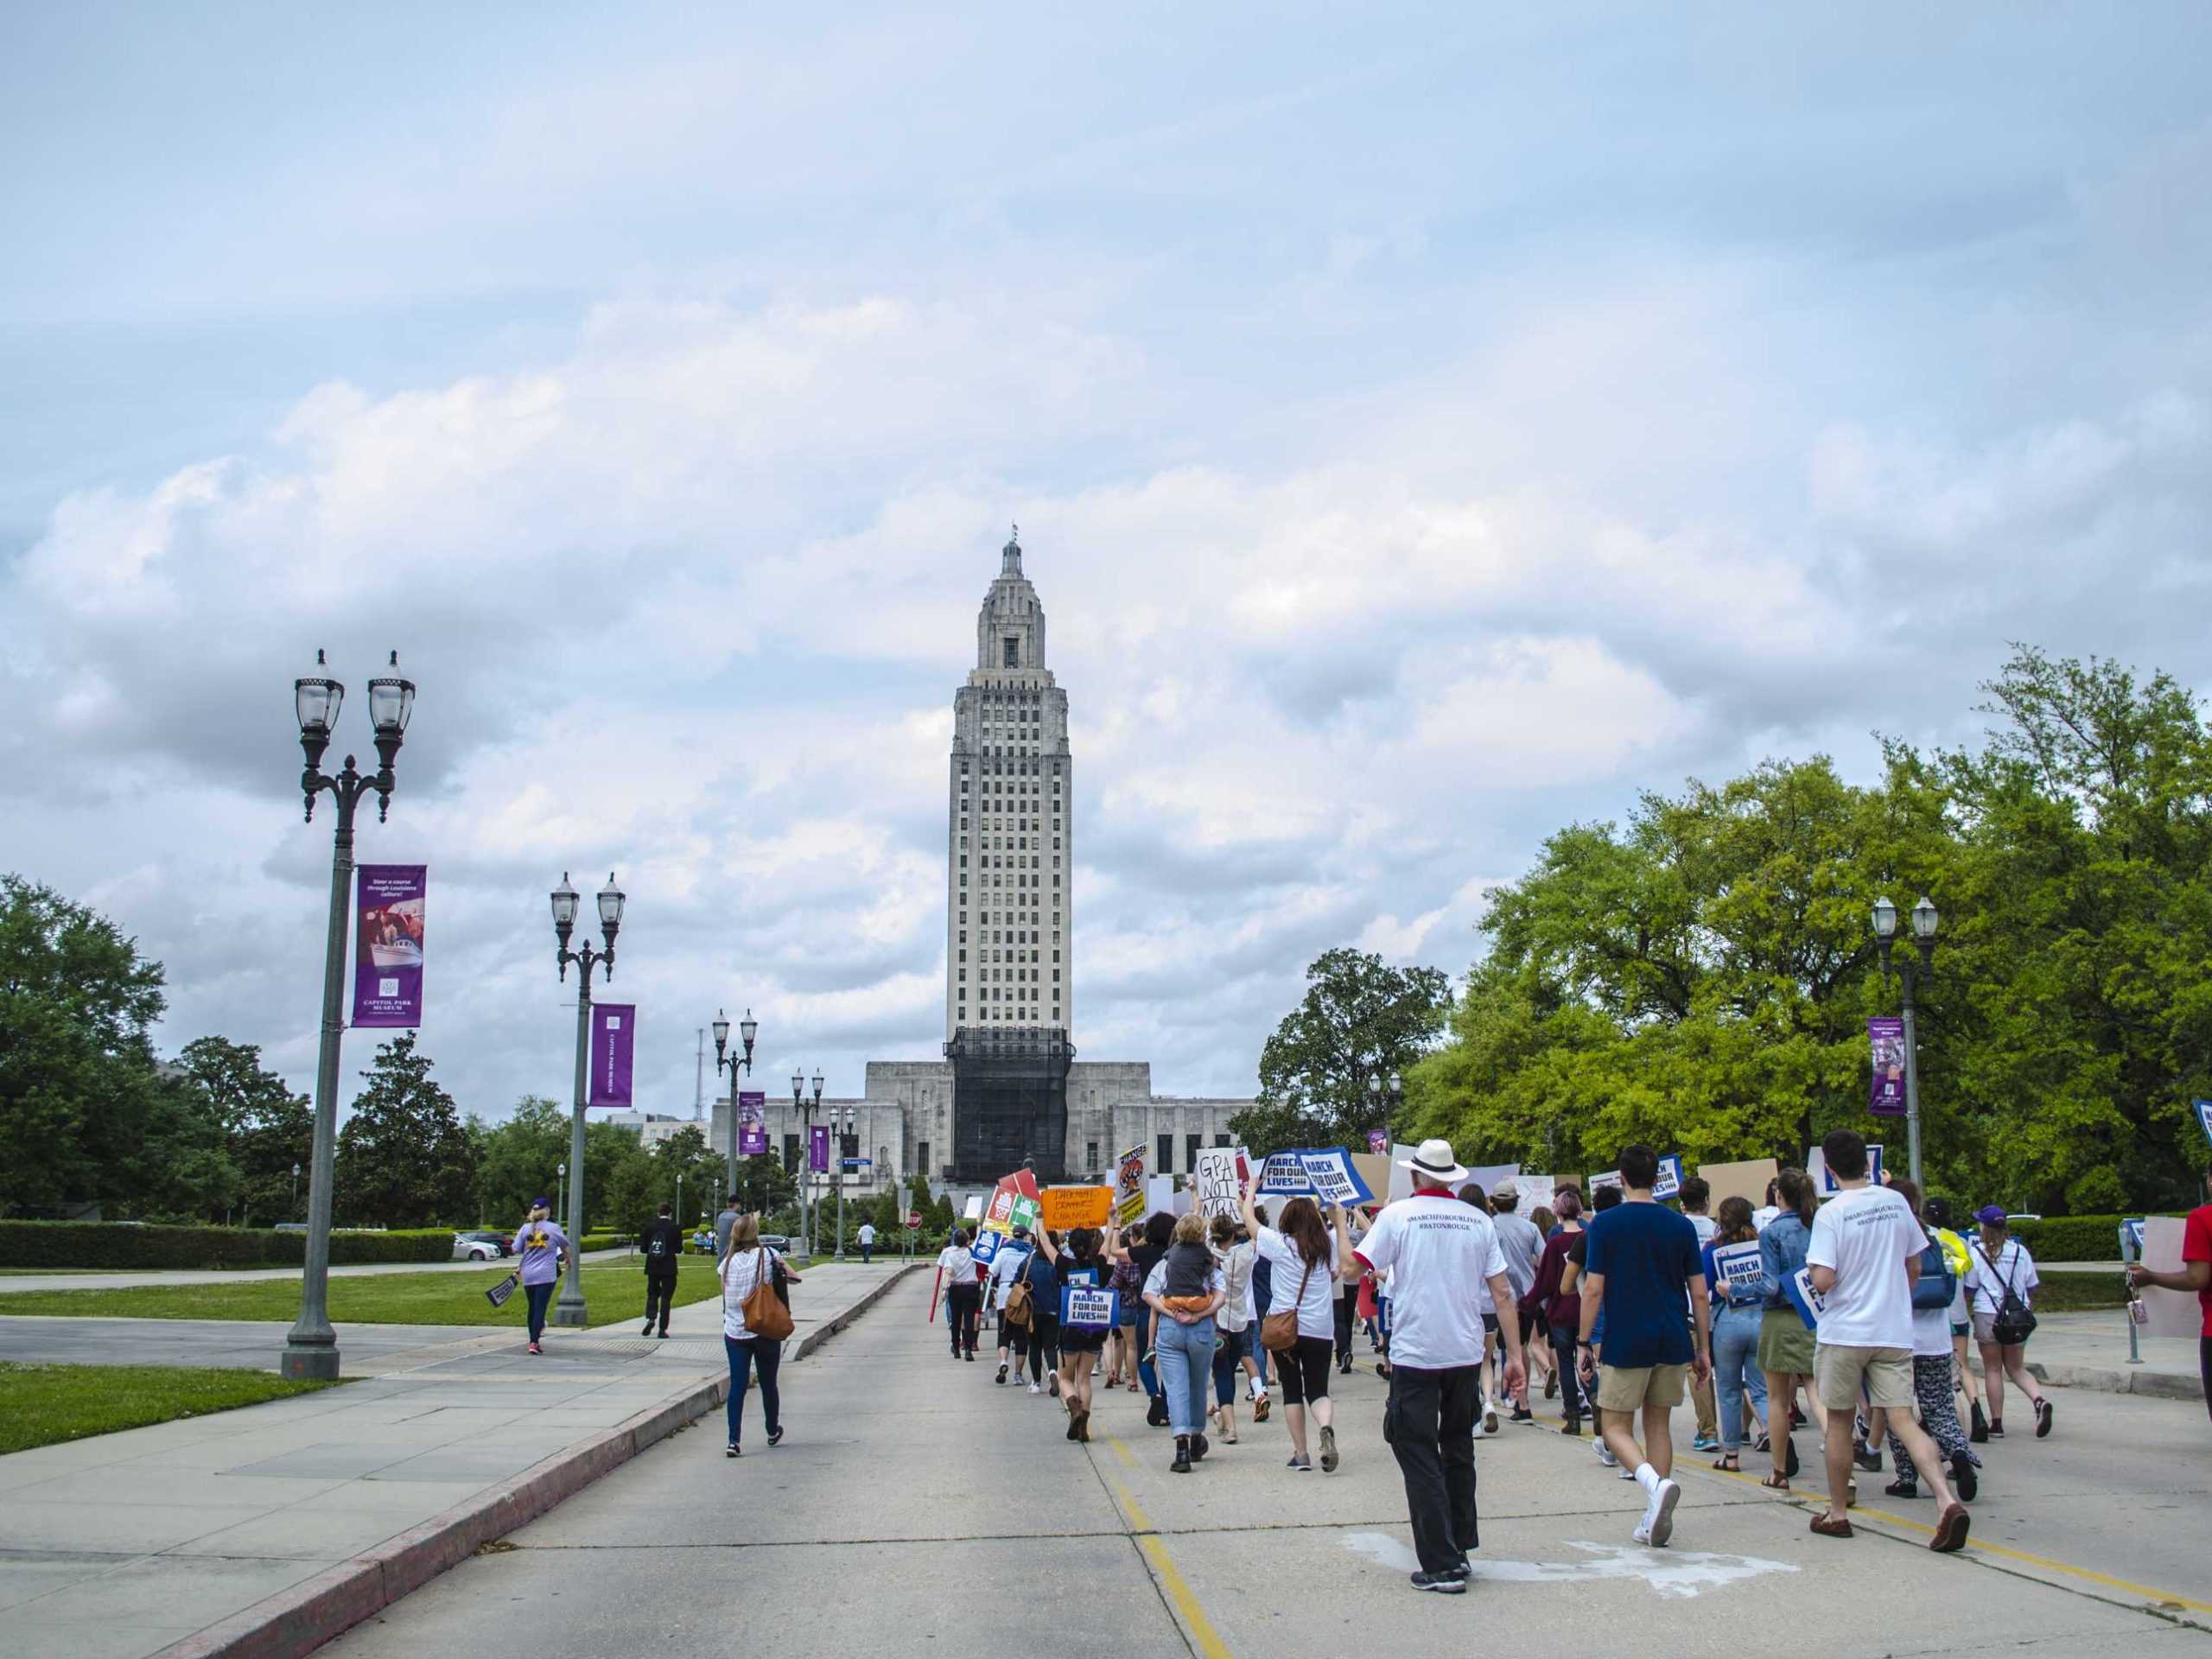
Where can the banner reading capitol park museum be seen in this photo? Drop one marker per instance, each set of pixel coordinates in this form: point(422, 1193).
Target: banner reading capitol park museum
point(614, 1047)
point(388, 944)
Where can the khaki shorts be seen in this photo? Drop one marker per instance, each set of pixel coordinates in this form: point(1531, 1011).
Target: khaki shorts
point(1621, 1389)
point(1887, 1372)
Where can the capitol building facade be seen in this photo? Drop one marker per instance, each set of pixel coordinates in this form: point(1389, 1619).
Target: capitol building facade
point(1009, 1088)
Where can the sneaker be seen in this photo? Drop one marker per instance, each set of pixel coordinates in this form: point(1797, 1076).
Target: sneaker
point(1052, 1385)
point(1763, 1444)
point(663, 1333)
point(534, 1349)
point(1443, 1584)
point(1328, 1449)
point(1965, 1476)
point(648, 1331)
point(1522, 1414)
point(1642, 1535)
point(1978, 1432)
point(971, 1355)
point(1157, 1416)
point(1996, 1429)
point(1000, 1377)
point(1627, 1473)
point(2043, 1418)
point(1304, 1465)
point(1182, 1464)
point(1705, 1443)
point(776, 1434)
point(1903, 1489)
point(1797, 1415)
point(1199, 1448)
point(1490, 1417)
point(731, 1450)
point(1659, 1516)
point(1478, 1431)
point(1033, 1389)
point(1866, 1458)
point(1605, 1455)
point(1462, 1569)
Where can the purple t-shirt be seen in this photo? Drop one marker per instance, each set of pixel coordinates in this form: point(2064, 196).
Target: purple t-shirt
point(539, 1243)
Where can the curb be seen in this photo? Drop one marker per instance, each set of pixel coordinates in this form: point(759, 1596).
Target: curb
point(295, 1622)
point(2103, 1379)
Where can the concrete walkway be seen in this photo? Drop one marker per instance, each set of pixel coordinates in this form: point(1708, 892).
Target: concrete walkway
point(269, 1529)
point(16, 1283)
point(2090, 1350)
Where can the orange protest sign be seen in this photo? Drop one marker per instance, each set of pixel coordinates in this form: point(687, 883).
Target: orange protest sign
point(1065, 1207)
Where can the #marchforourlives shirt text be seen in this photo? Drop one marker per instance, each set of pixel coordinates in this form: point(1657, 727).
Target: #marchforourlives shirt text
point(1436, 1249)
point(1864, 1235)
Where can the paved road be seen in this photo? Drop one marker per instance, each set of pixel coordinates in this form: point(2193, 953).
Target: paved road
point(927, 1506)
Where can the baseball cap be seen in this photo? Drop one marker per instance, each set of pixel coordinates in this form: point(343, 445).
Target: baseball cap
point(1992, 1213)
point(1505, 1192)
point(541, 1204)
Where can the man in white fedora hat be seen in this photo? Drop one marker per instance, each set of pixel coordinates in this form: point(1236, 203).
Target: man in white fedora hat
point(1436, 1251)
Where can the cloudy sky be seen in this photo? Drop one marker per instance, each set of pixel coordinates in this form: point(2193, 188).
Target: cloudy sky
point(1426, 427)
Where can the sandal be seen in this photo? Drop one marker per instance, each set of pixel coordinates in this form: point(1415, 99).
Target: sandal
point(1828, 1529)
point(1726, 1464)
point(1777, 1482)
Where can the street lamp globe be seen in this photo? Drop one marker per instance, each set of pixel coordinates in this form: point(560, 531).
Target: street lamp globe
point(1885, 919)
point(610, 908)
point(1374, 1085)
point(561, 1170)
point(722, 1033)
point(817, 1087)
point(316, 700)
point(1397, 1084)
point(748, 1028)
point(564, 907)
point(798, 1087)
point(391, 699)
point(1923, 919)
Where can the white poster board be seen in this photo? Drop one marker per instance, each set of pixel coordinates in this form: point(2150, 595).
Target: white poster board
point(1218, 1181)
point(2173, 1313)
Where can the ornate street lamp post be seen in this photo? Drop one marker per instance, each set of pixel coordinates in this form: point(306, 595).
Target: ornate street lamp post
point(570, 1309)
point(810, 1209)
point(1923, 937)
point(851, 1117)
point(311, 1349)
point(1386, 1097)
point(747, 1029)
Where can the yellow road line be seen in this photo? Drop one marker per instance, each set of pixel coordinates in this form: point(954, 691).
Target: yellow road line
point(1122, 1450)
point(1203, 1635)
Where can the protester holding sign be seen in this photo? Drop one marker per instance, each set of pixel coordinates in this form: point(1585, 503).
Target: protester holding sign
point(1738, 1286)
point(1435, 1248)
point(1860, 1239)
point(1185, 1290)
point(1085, 1271)
point(1302, 1257)
point(1785, 1341)
point(1234, 1251)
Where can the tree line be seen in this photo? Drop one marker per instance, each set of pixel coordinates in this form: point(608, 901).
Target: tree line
point(1699, 976)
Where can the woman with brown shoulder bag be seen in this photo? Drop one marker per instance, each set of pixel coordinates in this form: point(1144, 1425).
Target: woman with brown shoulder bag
point(756, 1318)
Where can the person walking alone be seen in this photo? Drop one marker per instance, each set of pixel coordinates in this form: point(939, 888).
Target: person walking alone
point(662, 1246)
point(1641, 1270)
point(723, 1222)
point(868, 1242)
point(1304, 1254)
point(1185, 1290)
point(544, 1250)
point(962, 1295)
point(1435, 1248)
point(748, 1265)
point(1863, 1257)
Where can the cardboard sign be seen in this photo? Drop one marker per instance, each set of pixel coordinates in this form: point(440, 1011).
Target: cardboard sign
point(1128, 1188)
point(1218, 1182)
point(1374, 1168)
point(1535, 1192)
point(1737, 1266)
point(1091, 1310)
point(1377, 1143)
point(1746, 1180)
point(1491, 1177)
point(1024, 1213)
point(1402, 1178)
point(1668, 1182)
point(1826, 1185)
point(974, 1209)
point(1334, 1179)
point(1609, 1178)
point(1066, 1207)
point(2172, 1312)
point(1158, 1194)
point(1808, 1302)
point(1283, 1176)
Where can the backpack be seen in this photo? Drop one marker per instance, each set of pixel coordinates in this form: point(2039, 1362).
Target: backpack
point(2016, 1321)
point(1936, 1284)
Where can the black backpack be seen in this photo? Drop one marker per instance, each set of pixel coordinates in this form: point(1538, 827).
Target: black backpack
point(2016, 1321)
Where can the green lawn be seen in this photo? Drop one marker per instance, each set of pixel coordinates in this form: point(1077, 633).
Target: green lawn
point(613, 1291)
point(42, 1404)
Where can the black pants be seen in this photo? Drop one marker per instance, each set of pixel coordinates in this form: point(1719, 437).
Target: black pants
point(961, 1302)
point(1305, 1371)
point(535, 1300)
point(2205, 1368)
point(1570, 1380)
point(660, 1292)
point(1039, 1343)
point(1430, 1423)
point(1345, 1305)
point(868, 1251)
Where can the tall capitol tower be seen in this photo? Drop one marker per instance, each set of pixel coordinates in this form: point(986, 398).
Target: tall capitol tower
point(1009, 852)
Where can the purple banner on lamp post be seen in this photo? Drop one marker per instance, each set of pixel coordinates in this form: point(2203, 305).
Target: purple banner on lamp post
point(1885, 1035)
point(752, 1125)
point(388, 944)
point(1378, 1142)
point(817, 1149)
point(613, 1046)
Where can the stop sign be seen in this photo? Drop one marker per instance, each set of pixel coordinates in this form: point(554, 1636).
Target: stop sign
point(913, 1217)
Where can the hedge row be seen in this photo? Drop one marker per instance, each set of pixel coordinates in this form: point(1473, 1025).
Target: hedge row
point(108, 1244)
point(2071, 1239)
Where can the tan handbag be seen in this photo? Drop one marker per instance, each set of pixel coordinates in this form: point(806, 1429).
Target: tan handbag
point(765, 1316)
point(1279, 1332)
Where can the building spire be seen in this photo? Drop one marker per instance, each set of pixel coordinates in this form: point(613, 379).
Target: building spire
point(1010, 555)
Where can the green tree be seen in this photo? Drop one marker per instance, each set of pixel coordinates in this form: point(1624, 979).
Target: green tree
point(268, 1128)
point(518, 1159)
point(404, 1157)
point(1360, 1019)
point(76, 1077)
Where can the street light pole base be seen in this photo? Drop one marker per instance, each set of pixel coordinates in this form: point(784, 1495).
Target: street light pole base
point(309, 1364)
point(570, 1314)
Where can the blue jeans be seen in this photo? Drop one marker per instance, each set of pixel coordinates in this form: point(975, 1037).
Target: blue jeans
point(1185, 1357)
point(1736, 1369)
point(535, 1297)
point(743, 1358)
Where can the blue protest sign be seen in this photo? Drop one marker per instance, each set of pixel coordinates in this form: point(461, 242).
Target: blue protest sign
point(985, 1246)
point(1669, 1182)
point(2131, 1238)
point(1333, 1179)
point(2204, 1116)
point(1808, 1302)
point(1284, 1175)
point(1088, 1309)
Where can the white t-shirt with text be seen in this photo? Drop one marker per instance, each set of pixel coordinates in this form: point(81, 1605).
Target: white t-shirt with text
point(1864, 1234)
point(1316, 1315)
point(1436, 1251)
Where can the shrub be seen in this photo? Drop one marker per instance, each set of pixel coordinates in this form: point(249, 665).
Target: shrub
point(2071, 1239)
point(94, 1245)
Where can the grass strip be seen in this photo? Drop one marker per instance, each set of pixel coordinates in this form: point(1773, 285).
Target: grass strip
point(44, 1405)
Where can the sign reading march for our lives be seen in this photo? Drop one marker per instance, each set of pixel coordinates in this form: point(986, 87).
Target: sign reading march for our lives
point(1808, 1302)
point(1668, 1182)
point(1088, 1309)
point(1333, 1179)
point(614, 1049)
point(1284, 1176)
point(2204, 1116)
point(1738, 1265)
point(388, 944)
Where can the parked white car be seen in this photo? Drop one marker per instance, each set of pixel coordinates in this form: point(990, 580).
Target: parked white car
point(477, 1247)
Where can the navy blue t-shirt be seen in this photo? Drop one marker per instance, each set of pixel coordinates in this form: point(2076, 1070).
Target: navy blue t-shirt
point(1648, 1254)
